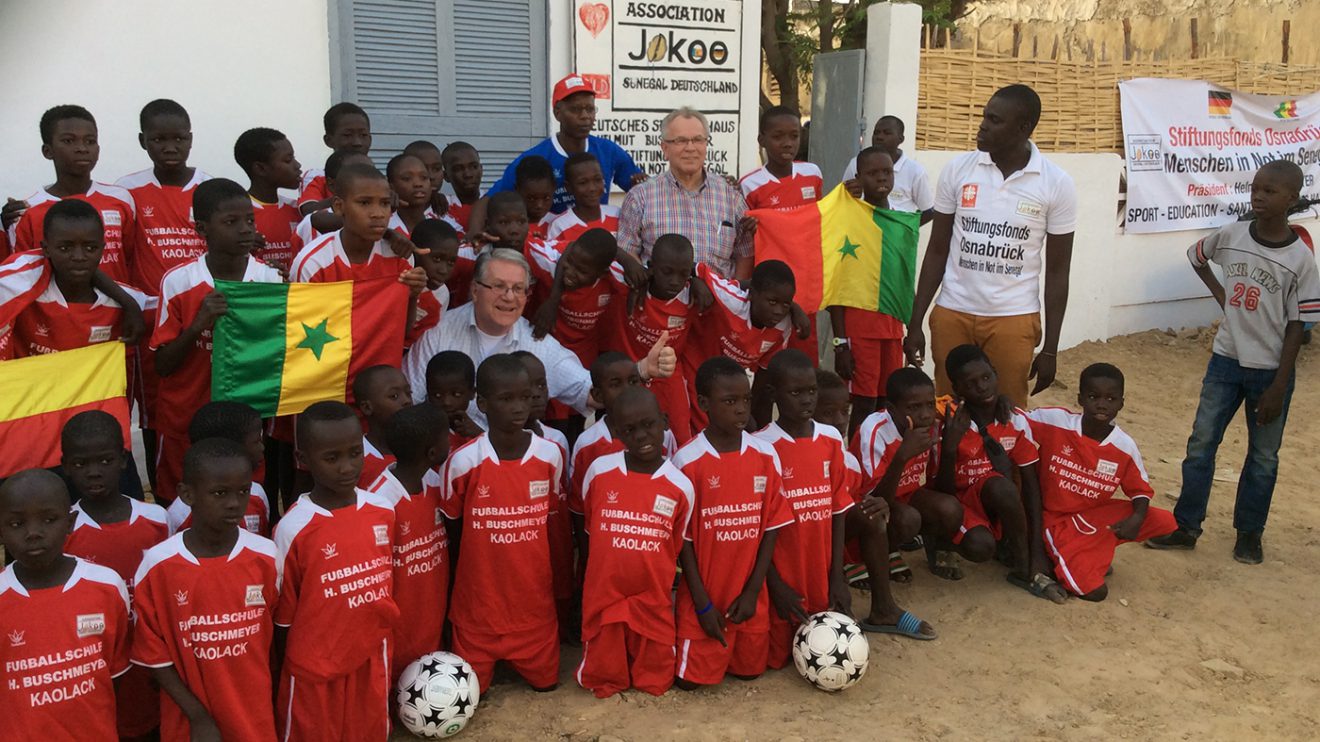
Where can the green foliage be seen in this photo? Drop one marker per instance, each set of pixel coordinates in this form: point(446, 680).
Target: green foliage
point(802, 30)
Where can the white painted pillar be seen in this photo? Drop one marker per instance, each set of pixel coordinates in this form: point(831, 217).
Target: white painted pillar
point(893, 61)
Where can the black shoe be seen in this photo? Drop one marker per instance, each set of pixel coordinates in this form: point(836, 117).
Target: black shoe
point(1179, 539)
point(1248, 549)
point(914, 545)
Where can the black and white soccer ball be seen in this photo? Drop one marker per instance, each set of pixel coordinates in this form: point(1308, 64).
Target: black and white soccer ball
point(830, 651)
point(437, 695)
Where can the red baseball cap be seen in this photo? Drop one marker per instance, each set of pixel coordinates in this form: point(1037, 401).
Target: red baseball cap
point(569, 86)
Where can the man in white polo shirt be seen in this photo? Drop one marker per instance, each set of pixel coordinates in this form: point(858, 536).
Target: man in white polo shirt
point(1003, 215)
point(912, 191)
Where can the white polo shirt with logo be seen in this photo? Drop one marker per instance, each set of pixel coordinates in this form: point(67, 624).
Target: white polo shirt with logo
point(911, 191)
point(999, 228)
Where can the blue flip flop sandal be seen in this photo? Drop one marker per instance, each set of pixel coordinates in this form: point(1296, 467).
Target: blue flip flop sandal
point(908, 625)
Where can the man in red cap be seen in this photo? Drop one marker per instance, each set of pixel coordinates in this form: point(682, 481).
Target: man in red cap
point(575, 110)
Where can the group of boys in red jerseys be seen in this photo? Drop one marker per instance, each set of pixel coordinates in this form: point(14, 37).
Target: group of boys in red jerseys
point(680, 538)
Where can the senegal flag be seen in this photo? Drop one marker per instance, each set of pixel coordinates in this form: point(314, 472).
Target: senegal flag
point(844, 252)
point(282, 346)
point(42, 392)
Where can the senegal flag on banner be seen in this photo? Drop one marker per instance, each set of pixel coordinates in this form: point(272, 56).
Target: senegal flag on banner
point(42, 392)
point(844, 252)
point(282, 346)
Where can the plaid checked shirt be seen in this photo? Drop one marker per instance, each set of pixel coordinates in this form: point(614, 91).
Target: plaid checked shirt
point(708, 217)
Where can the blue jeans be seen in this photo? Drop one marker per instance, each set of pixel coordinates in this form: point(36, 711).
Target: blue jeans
point(1226, 385)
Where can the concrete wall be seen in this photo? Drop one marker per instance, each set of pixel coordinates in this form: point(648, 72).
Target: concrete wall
point(233, 65)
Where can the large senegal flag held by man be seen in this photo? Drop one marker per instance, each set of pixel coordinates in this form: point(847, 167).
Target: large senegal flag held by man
point(281, 347)
point(844, 252)
point(42, 392)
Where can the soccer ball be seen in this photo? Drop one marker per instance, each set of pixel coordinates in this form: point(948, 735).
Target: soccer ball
point(437, 695)
point(830, 651)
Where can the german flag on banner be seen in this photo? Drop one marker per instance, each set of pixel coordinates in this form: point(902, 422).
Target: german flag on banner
point(282, 346)
point(1220, 103)
point(1286, 110)
point(42, 392)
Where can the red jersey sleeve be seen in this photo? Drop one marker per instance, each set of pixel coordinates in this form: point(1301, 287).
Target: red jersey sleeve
point(839, 479)
point(119, 619)
point(290, 582)
point(1135, 481)
point(454, 492)
point(150, 645)
point(1024, 451)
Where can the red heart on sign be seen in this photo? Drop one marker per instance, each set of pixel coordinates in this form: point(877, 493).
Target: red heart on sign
point(594, 16)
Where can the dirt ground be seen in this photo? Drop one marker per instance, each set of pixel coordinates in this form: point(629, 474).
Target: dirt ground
point(1188, 645)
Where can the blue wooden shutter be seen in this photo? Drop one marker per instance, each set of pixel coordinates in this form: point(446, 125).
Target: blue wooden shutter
point(444, 70)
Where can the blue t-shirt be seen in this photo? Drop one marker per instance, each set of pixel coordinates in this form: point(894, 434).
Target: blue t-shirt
point(615, 164)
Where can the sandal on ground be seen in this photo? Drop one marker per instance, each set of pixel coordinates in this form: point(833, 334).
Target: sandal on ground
point(908, 625)
point(857, 576)
point(898, 569)
point(1042, 586)
point(913, 545)
point(944, 564)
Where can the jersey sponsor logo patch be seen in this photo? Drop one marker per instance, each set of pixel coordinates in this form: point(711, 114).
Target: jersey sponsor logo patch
point(483, 491)
point(181, 597)
point(664, 506)
point(611, 497)
point(382, 533)
point(148, 211)
point(969, 192)
point(253, 596)
point(827, 468)
point(16, 638)
point(90, 624)
point(603, 300)
point(713, 482)
point(766, 345)
point(1030, 208)
point(1008, 443)
point(808, 191)
point(437, 516)
point(98, 334)
point(759, 484)
point(252, 523)
point(1107, 468)
point(111, 218)
point(676, 321)
point(787, 473)
point(330, 551)
point(538, 489)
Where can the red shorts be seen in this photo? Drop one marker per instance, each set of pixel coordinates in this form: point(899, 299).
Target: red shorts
point(873, 361)
point(534, 653)
point(974, 511)
point(705, 661)
point(780, 650)
point(138, 702)
point(1082, 546)
point(169, 466)
point(347, 708)
point(619, 658)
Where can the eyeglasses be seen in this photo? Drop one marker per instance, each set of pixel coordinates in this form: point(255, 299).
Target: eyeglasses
point(682, 142)
point(503, 288)
point(583, 110)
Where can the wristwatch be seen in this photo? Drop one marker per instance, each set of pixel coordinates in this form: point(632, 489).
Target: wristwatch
point(840, 343)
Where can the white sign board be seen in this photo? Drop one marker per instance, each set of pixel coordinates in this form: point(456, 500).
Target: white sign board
point(645, 59)
point(1193, 148)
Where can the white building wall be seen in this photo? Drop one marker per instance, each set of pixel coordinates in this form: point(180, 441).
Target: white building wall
point(234, 65)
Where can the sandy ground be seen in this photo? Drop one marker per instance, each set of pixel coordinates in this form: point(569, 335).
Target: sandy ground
point(1188, 646)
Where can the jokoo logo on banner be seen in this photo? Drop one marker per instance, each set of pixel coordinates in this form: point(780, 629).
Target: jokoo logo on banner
point(1145, 152)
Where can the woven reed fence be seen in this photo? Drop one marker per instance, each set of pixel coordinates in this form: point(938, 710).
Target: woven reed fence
point(1079, 96)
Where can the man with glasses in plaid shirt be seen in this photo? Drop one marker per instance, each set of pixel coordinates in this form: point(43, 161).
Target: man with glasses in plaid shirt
point(493, 323)
point(690, 200)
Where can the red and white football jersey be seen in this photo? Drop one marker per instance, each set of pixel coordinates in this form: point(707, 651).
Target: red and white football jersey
point(633, 333)
point(431, 306)
point(61, 647)
point(739, 497)
point(181, 294)
point(50, 324)
point(303, 234)
point(461, 275)
point(636, 524)
point(313, 186)
point(568, 226)
point(594, 443)
point(815, 484)
point(852, 480)
point(210, 618)
point(726, 329)
point(581, 310)
point(878, 440)
point(118, 546)
point(421, 565)
point(974, 463)
point(276, 223)
point(396, 222)
point(336, 586)
point(324, 260)
point(764, 191)
point(374, 463)
point(164, 235)
point(1076, 472)
point(256, 519)
point(461, 213)
point(503, 581)
point(539, 230)
point(117, 218)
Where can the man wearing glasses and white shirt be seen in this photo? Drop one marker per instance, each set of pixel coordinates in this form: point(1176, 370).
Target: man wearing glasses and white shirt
point(687, 200)
point(492, 323)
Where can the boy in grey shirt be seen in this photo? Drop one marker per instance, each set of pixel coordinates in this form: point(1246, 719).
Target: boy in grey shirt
point(1270, 289)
